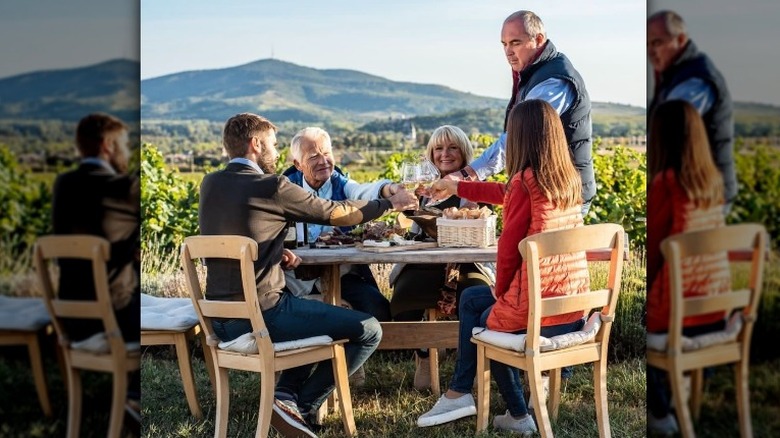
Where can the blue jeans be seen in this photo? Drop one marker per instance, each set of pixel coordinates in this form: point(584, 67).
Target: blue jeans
point(296, 318)
point(365, 297)
point(475, 305)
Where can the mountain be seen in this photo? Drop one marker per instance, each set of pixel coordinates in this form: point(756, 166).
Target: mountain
point(283, 91)
point(69, 94)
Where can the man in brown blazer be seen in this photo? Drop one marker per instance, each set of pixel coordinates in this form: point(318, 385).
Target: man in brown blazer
point(101, 199)
point(247, 198)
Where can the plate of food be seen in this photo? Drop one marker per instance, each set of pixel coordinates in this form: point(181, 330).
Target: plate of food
point(334, 239)
point(394, 242)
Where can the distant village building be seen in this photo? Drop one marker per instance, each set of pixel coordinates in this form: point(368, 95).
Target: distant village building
point(412, 133)
point(348, 157)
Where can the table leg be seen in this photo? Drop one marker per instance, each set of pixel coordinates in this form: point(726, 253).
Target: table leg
point(331, 282)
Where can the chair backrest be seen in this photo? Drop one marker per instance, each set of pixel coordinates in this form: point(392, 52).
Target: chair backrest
point(676, 248)
point(239, 248)
point(78, 247)
point(560, 242)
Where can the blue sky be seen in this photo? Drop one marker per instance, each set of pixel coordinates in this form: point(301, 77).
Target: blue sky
point(454, 42)
point(55, 34)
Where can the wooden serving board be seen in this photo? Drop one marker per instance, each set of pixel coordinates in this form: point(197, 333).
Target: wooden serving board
point(394, 248)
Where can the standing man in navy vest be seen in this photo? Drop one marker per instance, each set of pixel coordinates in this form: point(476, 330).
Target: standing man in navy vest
point(683, 72)
point(315, 170)
point(540, 71)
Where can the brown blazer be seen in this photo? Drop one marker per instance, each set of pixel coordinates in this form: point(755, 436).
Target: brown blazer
point(93, 200)
point(240, 201)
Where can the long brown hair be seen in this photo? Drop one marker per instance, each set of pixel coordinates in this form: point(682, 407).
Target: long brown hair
point(678, 141)
point(535, 139)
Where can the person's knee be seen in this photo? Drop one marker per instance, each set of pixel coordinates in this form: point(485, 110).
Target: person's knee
point(471, 295)
point(372, 331)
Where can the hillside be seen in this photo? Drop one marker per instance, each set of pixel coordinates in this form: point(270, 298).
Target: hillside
point(69, 94)
point(283, 91)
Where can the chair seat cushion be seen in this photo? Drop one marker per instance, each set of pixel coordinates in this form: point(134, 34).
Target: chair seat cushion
point(658, 341)
point(25, 314)
point(98, 344)
point(247, 343)
point(515, 342)
point(170, 314)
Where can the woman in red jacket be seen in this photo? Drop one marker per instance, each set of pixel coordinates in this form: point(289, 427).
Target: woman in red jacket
point(686, 193)
point(543, 194)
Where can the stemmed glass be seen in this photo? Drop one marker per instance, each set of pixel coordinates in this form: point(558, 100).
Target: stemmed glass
point(410, 175)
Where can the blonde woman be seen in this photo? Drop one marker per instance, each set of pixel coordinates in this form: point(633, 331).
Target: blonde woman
point(417, 287)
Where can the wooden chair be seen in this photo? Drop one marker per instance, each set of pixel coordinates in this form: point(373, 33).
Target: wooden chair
point(268, 360)
point(117, 358)
point(179, 337)
point(33, 320)
point(676, 359)
point(530, 355)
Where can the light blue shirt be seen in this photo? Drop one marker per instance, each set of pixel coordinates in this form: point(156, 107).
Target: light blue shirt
point(248, 162)
point(695, 91)
point(99, 162)
point(557, 92)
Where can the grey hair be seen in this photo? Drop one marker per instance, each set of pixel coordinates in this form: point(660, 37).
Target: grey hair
point(531, 23)
point(673, 22)
point(312, 133)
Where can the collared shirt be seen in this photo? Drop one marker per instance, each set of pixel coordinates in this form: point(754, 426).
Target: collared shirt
point(695, 91)
point(99, 162)
point(248, 162)
point(353, 190)
point(557, 92)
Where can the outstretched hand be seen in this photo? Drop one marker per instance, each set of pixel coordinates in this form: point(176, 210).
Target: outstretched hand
point(289, 261)
point(403, 200)
point(443, 189)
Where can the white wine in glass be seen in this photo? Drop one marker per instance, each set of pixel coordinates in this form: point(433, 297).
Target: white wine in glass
point(410, 175)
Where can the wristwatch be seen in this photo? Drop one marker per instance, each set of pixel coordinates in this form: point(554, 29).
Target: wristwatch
point(465, 174)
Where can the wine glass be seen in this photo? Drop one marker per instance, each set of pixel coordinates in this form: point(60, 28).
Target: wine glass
point(428, 171)
point(410, 175)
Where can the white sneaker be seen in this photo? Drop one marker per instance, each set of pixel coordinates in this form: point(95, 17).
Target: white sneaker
point(525, 426)
point(664, 426)
point(446, 410)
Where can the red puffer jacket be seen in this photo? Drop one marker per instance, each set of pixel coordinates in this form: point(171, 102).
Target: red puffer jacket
point(702, 275)
point(560, 275)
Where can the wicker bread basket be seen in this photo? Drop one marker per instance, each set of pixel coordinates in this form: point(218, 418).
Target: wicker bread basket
point(466, 233)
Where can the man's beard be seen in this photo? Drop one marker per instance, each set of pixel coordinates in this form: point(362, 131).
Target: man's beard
point(267, 164)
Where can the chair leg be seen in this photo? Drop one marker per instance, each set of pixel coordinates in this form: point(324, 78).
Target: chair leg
point(600, 391)
point(341, 378)
point(741, 373)
point(267, 386)
point(74, 400)
point(554, 400)
point(537, 391)
point(677, 383)
point(697, 387)
point(223, 402)
point(187, 377)
point(483, 389)
point(207, 360)
point(119, 397)
point(34, 350)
